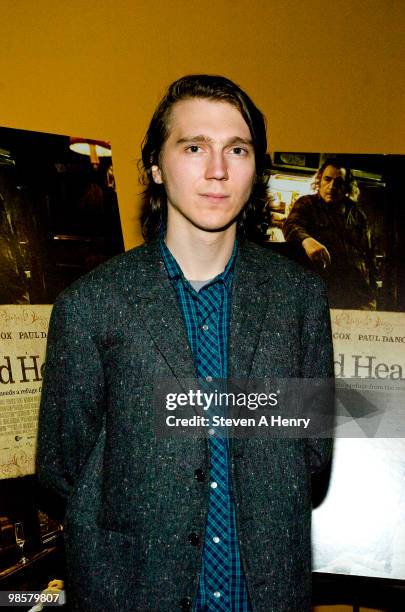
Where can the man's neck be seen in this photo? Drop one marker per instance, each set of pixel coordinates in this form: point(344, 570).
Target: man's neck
point(201, 255)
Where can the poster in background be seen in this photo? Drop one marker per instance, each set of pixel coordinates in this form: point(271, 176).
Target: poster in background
point(58, 219)
point(23, 333)
point(370, 245)
point(359, 527)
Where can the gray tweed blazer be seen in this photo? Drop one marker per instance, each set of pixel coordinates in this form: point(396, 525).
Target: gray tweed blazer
point(134, 500)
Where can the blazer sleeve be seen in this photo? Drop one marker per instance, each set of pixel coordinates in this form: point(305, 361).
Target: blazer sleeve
point(296, 226)
point(317, 362)
point(72, 400)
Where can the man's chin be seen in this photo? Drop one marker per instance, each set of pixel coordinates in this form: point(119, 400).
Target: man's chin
point(215, 227)
point(329, 199)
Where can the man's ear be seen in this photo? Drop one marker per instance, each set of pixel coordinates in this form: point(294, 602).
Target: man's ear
point(156, 174)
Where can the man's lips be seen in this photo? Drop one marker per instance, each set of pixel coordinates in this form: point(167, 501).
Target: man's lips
point(214, 196)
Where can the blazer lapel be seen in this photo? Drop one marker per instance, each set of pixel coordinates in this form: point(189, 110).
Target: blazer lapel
point(249, 306)
point(160, 311)
point(163, 319)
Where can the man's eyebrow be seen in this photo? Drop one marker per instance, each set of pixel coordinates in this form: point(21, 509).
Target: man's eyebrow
point(197, 138)
point(234, 140)
point(239, 140)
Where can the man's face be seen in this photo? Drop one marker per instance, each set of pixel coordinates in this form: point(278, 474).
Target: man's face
point(207, 164)
point(332, 185)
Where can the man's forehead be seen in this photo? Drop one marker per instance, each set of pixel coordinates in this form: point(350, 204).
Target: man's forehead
point(334, 172)
point(192, 114)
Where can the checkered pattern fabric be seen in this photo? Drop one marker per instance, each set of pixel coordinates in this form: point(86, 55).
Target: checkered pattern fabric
point(206, 314)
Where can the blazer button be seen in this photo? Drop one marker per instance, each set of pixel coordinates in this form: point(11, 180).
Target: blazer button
point(199, 475)
point(194, 539)
point(185, 604)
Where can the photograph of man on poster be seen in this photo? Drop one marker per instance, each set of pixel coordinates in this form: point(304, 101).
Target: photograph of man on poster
point(185, 523)
point(336, 238)
point(340, 215)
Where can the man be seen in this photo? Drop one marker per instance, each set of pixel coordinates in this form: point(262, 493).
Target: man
point(158, 524)
point(334, 235)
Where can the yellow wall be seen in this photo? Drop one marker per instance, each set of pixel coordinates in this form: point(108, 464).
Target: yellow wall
point(328, 75)
point(342, 609)
point(333, 609)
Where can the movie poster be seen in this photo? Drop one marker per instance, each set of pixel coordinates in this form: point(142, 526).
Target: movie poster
point(359, 527)
point(23, 333)
point(58, 219)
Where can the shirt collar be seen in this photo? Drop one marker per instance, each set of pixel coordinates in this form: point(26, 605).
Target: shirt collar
point(175, 273)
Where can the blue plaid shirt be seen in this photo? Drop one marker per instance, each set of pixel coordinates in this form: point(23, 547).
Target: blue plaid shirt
point(209, 309)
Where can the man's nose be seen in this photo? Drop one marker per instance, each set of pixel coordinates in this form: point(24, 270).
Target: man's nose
point(217, 167)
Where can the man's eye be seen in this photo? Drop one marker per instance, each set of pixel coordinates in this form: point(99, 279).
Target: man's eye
point(239, 151)
point(193, 148)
